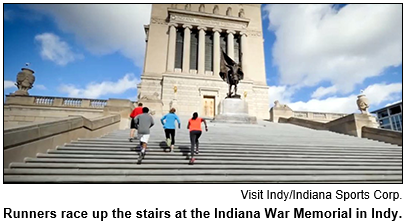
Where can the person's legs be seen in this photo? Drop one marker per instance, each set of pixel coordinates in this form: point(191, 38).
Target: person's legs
point(172, 133)
point(198, 134)
point(132, 132)
point(192, 142)
point(167, 137)
point(143, 142)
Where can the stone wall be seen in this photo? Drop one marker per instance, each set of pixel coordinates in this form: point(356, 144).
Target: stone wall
point(358, 125)
point(191, 91)
point(383, 135)
point(28, 140)
point(352, 124)
point(15, 115)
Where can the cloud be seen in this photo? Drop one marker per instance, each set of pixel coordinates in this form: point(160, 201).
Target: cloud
point(102, 28)
point(380, 93)
point(318, 43)
point(321, 91)
point(281, 93)
point(8, 15)
point(9, 84)
point(397, 101)
point(40, 87)
point(376, 94)
point(331, 104)
point(96, 90)
point(53, 49)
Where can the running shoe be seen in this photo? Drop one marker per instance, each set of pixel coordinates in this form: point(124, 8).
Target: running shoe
point(168, 142)
point(140, 157)
point(192, 160)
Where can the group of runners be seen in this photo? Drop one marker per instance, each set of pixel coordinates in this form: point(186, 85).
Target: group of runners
point(142, 121)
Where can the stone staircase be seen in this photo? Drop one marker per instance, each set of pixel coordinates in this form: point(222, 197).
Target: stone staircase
point(229, 153)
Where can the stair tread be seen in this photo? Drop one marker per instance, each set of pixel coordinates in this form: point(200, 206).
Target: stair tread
point(199, 166)
point(196, 172)
point(179, 156)
point(200, 161)
point(200, 178)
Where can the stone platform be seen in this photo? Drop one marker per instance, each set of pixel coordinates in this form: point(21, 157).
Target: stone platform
point(234, 110)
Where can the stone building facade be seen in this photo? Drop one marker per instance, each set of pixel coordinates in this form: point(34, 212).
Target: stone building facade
point(182, 58)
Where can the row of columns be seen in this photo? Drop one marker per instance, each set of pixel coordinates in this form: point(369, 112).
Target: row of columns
point(201, 50)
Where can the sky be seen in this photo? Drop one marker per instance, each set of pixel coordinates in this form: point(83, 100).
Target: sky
point(317, 57)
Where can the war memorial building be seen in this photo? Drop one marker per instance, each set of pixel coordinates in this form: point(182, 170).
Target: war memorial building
point(182, 58)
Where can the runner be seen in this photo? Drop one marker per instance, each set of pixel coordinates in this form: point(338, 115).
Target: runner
point(169, 126)
point(143, 123)
point(195, 131)
point(137, 111)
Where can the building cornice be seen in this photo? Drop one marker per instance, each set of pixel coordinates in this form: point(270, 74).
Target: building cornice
point(207, 19)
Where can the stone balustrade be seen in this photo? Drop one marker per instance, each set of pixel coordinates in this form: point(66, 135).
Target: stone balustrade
point(317, 116)
point(55, 101)
point(283, 111)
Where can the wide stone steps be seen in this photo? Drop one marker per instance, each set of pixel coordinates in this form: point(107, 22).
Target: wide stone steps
point(239, 150)
point(192, 172)
point(206, 179)
point(273, 153)
point(200, 167)
point(254, 154)
point(233, 146)
point(207, 156)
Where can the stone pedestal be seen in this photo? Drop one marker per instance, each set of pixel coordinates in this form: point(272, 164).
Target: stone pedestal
point(234, 110)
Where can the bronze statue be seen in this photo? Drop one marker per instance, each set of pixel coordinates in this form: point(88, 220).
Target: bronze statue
point(231, 73)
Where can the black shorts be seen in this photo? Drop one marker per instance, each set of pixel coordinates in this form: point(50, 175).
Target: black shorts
point(132, 125)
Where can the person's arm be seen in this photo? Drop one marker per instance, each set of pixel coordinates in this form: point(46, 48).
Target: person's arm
point(205, 124)
point(152, 122)
point(162, 119)
point(177, 119)
point(136, 122)
point(188, 124)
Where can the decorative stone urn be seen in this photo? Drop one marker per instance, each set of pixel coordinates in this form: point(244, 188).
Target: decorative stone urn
point(363, 103)
point(25, 81)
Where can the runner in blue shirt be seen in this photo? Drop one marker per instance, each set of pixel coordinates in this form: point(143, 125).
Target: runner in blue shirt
point(168, 121)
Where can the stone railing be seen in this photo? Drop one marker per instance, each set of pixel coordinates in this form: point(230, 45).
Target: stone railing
point(285, 112)
point(20, 110)
point(317, 116)
point(55, 101)
point(28, 140)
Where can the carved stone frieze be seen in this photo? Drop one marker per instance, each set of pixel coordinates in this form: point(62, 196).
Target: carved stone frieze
point(207, 22)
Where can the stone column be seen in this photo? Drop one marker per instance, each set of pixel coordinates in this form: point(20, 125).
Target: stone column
point(230, 43)
point(244, 52)
point(170, 65)
point(216, 51)
point(202, 36)
point(186, 49)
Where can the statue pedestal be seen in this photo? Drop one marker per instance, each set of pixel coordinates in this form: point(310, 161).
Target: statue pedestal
point(234, 110)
